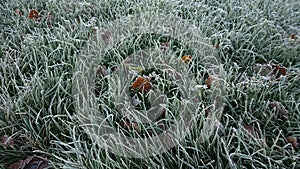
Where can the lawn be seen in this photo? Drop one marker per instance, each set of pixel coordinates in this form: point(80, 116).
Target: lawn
point(65, 66)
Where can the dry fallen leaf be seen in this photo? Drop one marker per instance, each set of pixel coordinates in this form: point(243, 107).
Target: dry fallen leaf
point(129, 125)
point(271, 70)
point(208, 82)
point(293, 141)
point(207, 112)
point(33, 14)
point(293, 36)
point(6, 141)
point(142, 84)
point(278, 71)
point(186, 58)
point(31, 162)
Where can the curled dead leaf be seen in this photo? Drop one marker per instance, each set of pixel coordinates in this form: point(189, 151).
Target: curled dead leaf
point(279, 71)
point(293, 141)
point(33, 14)
point(131, 125)
point(186, 58)
point(293, 36)
point(271, 70)
point(208, 82)
point(142, 84)
point(207, 112)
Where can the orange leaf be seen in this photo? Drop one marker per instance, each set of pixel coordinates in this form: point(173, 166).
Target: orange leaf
point(208, 82)
point(33, 14)
point(186, 58)
point(142, 84)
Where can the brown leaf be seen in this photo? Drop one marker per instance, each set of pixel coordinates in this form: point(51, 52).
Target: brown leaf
point(208, 82)
point(272, 70)
point(33, 14)
point(6, 141)
point(207, 112)
point(282, 112)
point(142, 84)
point(186, 58)
point(278, 71)
point(31, 162)
point(293, 36)
point(293, 141)
point(131, 125)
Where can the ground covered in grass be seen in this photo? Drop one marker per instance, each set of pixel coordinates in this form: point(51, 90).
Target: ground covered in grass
point(258, 43)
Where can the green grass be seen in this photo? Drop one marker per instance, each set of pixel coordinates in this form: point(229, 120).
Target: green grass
point(38, 65)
